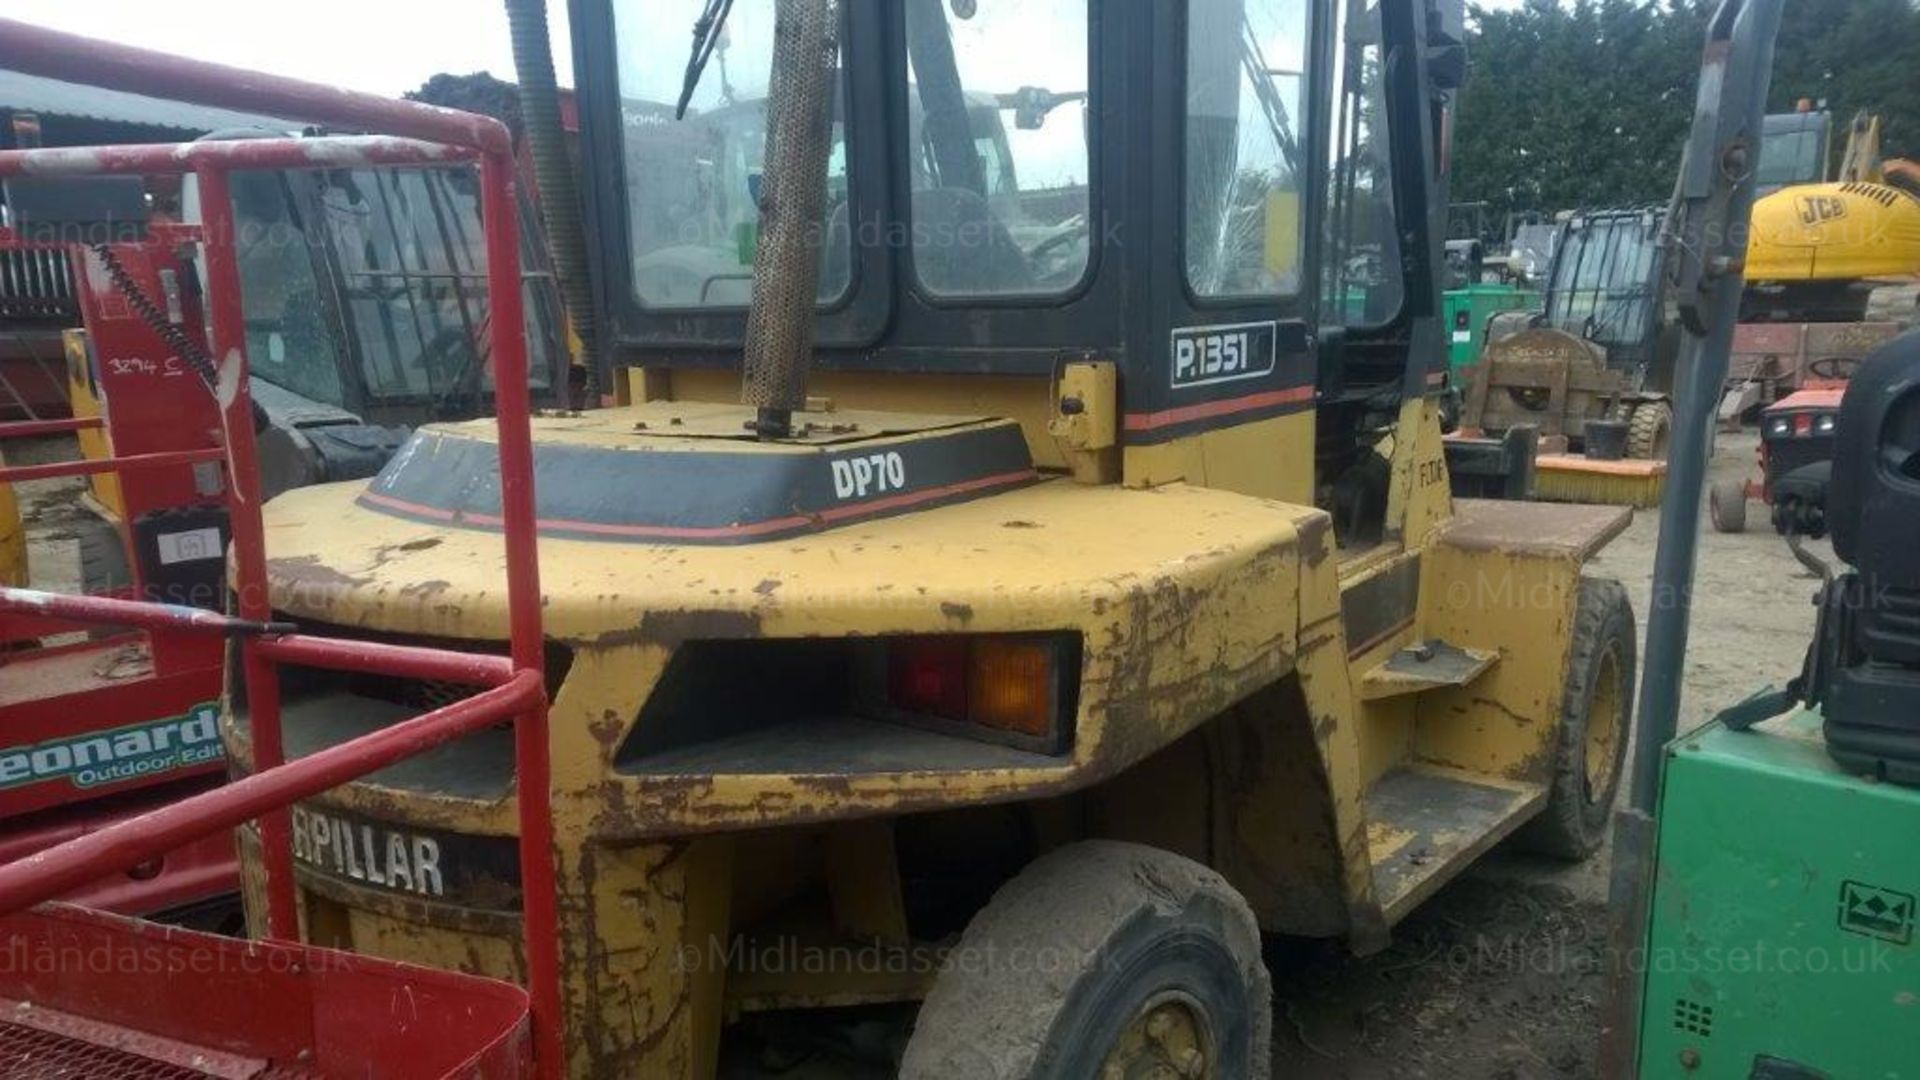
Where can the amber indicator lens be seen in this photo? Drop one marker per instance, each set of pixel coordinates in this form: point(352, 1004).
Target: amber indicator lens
point(1010, 685)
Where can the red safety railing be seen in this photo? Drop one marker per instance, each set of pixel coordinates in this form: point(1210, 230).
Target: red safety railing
point(410, 135)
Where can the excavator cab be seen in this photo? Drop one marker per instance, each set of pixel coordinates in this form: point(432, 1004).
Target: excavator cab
point(1052, 561)
point(1795, 148)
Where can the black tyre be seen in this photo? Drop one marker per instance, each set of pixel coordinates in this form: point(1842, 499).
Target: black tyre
point(104, 569)
point(1595, 708)
point(1101, 959)
point(1727, 506)
point(1649, 431)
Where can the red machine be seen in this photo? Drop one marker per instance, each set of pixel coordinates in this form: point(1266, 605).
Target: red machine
point(1774, 359)
point(231, 1013)
point(1795, 432)
point(101, 729)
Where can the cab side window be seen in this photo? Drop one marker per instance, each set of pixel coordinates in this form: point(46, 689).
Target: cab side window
point(1245, 146)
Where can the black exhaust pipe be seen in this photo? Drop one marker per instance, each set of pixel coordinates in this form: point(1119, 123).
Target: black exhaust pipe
point(793, 201)
point(553, 171)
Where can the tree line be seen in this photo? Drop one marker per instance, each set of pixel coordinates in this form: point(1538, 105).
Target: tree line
point(1572, 103)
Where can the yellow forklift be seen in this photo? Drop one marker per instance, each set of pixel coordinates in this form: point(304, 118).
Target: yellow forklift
point(1005, 589)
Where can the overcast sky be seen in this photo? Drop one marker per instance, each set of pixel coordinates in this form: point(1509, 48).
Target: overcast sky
point(384, 46)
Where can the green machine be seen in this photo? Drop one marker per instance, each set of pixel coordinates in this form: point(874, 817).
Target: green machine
point(1766, 866)
point(1469, 309)
point(1783, 941)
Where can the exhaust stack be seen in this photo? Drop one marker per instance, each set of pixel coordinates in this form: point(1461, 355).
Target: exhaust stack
point(793, 198)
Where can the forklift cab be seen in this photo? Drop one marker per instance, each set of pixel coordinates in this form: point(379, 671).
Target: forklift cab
point(1011, 195)
point(1605, 285)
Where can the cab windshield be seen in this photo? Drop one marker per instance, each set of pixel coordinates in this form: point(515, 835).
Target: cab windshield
point(402, 256)
point(1792, 150)
point(1602, 286)
point(693, 183)
point(996, 150)
point(1789, 158)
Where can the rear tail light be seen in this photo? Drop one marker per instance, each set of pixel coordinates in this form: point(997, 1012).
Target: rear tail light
point(1017, 689)
point(928, 676)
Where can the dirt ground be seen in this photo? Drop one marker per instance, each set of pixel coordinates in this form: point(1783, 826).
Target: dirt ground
point(1500, 975)
point(52, 513)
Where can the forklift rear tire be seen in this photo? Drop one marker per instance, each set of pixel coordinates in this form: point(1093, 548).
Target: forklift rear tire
point(1101, 959)
point(1591, 746)
point(1649, 431)
point(1727, 506)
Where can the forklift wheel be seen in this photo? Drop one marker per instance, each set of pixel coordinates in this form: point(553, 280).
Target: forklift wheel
point(1649, 431)
point(1595, 708)
point(1727, 505)
point(1102, 959)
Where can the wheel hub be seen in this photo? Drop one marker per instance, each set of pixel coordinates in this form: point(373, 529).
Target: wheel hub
point(1168, 1038)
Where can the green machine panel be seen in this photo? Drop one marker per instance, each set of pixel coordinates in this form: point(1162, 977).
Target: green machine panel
point(1783, 943)
point(1468, 310)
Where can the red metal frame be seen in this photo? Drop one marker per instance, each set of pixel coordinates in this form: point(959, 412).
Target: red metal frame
point(254, 1008)
point(25, 429)
point(179, 881)
point(415, 135)
point(13, 474)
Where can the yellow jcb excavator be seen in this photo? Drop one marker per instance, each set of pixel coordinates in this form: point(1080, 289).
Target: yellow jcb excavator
point(1819, 250)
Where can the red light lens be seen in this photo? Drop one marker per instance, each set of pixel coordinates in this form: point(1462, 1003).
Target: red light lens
point(1803, 424)
point(929, 675)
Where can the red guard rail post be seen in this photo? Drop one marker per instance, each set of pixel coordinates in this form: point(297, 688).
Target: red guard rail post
point(412, 134)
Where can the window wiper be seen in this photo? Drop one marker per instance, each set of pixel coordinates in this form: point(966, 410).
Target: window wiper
point(1261, 75)
point(708, 29)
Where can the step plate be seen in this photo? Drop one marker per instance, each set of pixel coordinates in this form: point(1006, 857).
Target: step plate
point(1425, 825)
point(1425, 667)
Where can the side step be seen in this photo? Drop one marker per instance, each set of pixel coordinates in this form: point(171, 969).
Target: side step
point(1430, 666)
point(1425, 824)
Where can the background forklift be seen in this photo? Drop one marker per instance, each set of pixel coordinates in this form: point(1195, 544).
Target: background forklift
point(1601, 350)
point(1592, 370)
